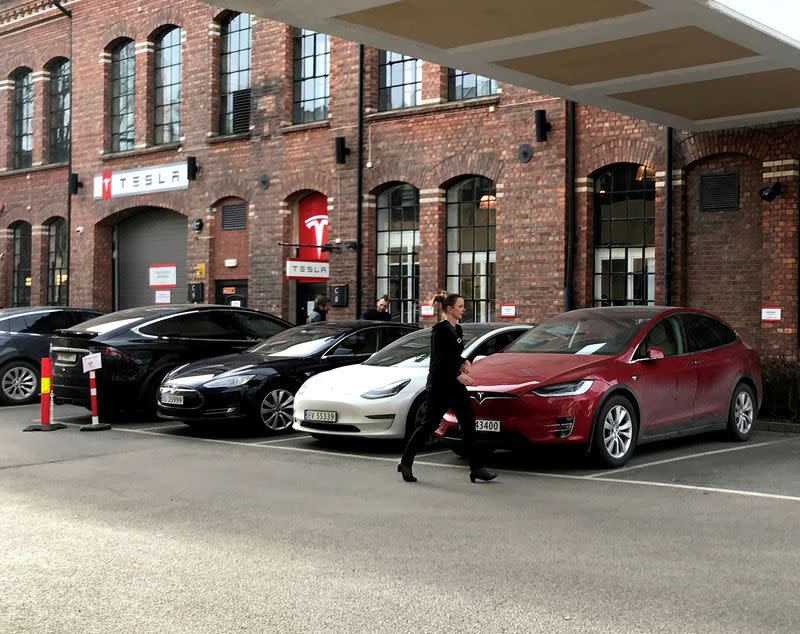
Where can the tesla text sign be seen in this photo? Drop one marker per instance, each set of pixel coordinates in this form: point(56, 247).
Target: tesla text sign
point(147, 180)
point(305, 270)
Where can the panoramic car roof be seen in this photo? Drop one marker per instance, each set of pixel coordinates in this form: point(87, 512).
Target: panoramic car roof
point(690, 64)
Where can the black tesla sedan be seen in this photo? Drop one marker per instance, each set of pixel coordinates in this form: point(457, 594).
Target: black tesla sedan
point(25, 340)
point(259, 385)
point(138, 346)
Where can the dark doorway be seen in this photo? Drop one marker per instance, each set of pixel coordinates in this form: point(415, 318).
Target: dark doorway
point(231, 292)
point(306, 294)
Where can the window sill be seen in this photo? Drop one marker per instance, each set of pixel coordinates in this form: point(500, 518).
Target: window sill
point(477, 102)
point(300, 127)
point(30, 170)
point(153, 149)
point(222, 138)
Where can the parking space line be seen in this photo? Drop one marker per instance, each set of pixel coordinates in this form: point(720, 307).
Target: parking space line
point(695, 455)
point(438, 453)
point(162, 427)
point(287, 439)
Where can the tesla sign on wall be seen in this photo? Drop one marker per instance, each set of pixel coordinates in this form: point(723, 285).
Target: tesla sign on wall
point(147, 180)
point(311, 265)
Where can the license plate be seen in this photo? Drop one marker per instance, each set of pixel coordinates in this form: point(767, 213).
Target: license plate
point(172, 399)
point(320, 415)
point(487, 425)
point(66, 357)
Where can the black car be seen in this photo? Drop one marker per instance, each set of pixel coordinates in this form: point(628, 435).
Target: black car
point(259, 385)
point(24, 341)
point(138, 346)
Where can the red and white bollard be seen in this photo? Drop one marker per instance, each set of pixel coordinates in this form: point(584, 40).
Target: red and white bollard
point(47, 402)
point(96, 425)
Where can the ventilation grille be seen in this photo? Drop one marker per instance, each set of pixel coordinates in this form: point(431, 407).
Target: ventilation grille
point(233, 217)
point(241, 111)
point(719, 191)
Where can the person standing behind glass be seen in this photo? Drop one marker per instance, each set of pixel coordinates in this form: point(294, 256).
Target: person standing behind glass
point(380, 312)
point(448, 378)
point(320, 313)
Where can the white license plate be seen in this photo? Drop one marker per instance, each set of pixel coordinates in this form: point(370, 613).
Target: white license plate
point(320, 415)
point(487, 425)
point(172, 399)
point(66, 357)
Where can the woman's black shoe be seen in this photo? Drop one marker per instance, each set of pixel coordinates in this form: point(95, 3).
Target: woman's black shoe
point(406, 471)
point(480, 474)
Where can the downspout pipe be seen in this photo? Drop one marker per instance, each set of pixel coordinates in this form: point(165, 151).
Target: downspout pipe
point(360, 180)
point(569, 268)
point(668, 147)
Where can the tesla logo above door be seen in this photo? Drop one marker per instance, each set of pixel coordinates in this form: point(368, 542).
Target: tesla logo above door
point(317, 224)
point(106, 185)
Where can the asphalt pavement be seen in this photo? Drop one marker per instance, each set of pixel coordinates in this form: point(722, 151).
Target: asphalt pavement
point(154, 527)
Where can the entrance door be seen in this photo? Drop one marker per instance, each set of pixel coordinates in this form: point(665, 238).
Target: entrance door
point(307, 292)
point(231, 293)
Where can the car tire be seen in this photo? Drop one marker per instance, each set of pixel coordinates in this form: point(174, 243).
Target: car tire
point(274, 409)
point(415, 418)
point(19, 383)
point(741, 413)
point(615, 432)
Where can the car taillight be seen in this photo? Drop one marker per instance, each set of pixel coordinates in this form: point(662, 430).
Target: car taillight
point(112, 353)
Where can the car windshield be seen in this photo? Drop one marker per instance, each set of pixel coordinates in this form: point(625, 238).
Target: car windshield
point(411, 351)
point(301, 341)
point(112, 321)
point(587, 331)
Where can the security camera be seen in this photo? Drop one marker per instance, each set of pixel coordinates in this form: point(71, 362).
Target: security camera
point(769, 192)
point(79, 230)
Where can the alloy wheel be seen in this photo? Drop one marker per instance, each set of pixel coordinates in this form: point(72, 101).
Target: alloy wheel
point(743, 412)
point(617, 431)
point(277, 409)
point(19, 383)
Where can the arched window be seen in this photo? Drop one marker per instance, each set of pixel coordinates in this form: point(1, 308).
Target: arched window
point(123, 71)
point(310, 76)
point(57, 274)
point(463, 85)
point(471, 254)
point(60, 110)
point(399, 81)
point(624, 235)
point(22, 138)
point(21, 271)
point(398, 250)
point(234, 74)
point(167, 86)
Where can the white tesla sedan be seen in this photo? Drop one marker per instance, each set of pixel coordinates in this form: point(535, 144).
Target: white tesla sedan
point(384, 397)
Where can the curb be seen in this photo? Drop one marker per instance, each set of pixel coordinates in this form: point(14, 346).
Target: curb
point(785, 426)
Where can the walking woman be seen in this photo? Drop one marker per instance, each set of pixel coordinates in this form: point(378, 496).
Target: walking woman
point(448, 378)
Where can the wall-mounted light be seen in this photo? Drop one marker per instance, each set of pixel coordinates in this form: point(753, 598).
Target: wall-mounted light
point(192, 168)
point(341, 150)
point(74, 184)
point(542, 126)
point(197, 224)
point(79, 229)
point(769, 192)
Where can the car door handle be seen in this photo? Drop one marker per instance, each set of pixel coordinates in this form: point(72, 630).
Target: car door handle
point(695, 363)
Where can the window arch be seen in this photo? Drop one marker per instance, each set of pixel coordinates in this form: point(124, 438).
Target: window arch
point(397, 252)
point(21, 265)
point(234, 74)
point(624, 235)
point(167, 87)
point(311, 76)
point(22, 125)
point(57, 273)
point(471, 245)
point(123, 74)
point(60, 110)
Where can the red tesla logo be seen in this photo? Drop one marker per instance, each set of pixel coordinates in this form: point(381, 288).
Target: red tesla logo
point(106, 185)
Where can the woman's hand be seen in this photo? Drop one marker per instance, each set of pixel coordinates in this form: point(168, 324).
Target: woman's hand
point(465, 379)
point(466, 367)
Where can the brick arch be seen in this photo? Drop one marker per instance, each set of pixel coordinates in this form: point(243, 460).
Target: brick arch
point(225, 14)
point(54, 61)
point(750, 142)
point(227, 187)
point(51, 219)
point(112, 38)
point(165, 27)
point(19, 70)
point(119, 211)
point(398, 172)
point(297, 183)
point(621, 151)
point(485, 164)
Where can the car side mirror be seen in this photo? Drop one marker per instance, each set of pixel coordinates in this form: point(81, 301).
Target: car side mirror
point(479, 357)
point(655, 353)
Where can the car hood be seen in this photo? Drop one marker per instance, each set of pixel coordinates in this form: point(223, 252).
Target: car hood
point(199, 372)
point(353, 380)
point(519, 372)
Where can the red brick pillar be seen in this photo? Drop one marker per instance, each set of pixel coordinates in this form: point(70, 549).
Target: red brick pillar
point(6, 248)
point(143, 96)
point(41, 83)
point(434, 83)
point(432, 245)
point(6, 101)
point(780, 255)
point(39, 247)
point(584, 242)
point(212, 106)
point(678, 238)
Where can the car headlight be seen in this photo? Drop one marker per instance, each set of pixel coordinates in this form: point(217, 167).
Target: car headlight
point(574, 388)
point(386, 390)
point(173, 372)
point(230, 381)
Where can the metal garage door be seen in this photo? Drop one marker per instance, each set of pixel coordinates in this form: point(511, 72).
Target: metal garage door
point(150, 237)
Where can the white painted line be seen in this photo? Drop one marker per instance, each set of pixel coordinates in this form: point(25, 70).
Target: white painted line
point(695, 455)
point(164, 427)
point(557, 476)
point(287, 439)
point(438, 453)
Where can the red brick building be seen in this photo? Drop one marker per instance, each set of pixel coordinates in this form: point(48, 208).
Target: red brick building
point(456, 191)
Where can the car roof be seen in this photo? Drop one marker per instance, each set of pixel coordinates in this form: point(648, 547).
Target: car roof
point(24, 310)
point(342, 325)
